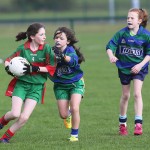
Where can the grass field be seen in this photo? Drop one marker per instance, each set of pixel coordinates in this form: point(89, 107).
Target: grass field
point(99, 109)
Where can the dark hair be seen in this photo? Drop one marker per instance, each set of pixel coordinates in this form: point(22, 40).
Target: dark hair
point(70, 34)
point(32, 30)
point(142, 13)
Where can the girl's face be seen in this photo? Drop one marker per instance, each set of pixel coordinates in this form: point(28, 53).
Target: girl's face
point(40, 37)
point(61, 40)
point(133, 20)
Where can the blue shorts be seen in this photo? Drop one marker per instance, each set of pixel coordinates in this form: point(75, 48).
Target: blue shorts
point(125, 79)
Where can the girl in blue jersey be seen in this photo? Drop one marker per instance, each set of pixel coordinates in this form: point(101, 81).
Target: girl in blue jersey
point(68, 79)
point(130, 50)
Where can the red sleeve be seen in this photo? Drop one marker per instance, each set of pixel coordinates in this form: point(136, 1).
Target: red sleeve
point(51, 69)
point(13, 55)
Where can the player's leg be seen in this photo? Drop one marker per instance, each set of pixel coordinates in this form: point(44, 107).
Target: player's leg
point(138, 106)
point(123, 109)
point(75, 105)
point(125, 82)
point(63, 106)
point(29, 106)
point(64, 111)
point(62, 96)
point(13, 113)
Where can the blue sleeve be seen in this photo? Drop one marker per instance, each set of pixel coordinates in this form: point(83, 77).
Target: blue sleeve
point(73, 61)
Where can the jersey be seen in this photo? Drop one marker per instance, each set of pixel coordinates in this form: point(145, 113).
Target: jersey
point(130, 50)
point(68, 72)
point(43, 57)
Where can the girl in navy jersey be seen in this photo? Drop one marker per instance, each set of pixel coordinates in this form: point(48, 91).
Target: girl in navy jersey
point(28, 89)
point(68, 79)
point(129, 49)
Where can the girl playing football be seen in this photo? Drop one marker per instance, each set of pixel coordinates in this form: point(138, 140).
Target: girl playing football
point(129, 49)
point(68, 79)
point(28, 89)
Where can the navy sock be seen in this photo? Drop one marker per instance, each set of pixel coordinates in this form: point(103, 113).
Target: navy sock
point(123, 119)
point(74, 132)
point(138, 119)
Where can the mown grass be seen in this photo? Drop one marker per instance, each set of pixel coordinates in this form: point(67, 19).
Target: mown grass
point(99, 108)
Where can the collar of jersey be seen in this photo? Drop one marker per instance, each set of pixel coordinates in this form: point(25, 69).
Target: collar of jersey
point(27, 46)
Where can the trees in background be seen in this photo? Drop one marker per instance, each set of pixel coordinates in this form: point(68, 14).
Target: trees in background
point(34, 5)
point(54, 5)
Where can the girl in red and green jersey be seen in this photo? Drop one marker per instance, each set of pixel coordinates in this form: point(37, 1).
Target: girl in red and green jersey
point(130, 50)
point(68, 79)
point(28, 89)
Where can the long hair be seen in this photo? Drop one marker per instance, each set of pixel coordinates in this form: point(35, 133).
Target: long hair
point(32, 30)
point(70, 34)
point(142, 13)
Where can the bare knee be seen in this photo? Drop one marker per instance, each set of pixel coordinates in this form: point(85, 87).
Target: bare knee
point(23, 119)
point(63, 115)
point(137, 96)
point(126, 96)
point(14, 115)
point(74, 109)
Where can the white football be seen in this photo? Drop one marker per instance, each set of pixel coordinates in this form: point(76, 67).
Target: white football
point(16, 66)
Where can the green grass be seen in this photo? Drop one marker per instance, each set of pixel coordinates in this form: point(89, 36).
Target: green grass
point(99, 109)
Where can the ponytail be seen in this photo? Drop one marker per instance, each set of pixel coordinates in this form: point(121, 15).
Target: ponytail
point(21, 36)
point(80, 55)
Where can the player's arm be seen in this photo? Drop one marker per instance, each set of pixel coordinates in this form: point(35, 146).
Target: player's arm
point(50, 64)
point(145, 60)
point(112, 46)
point(139, 66)
point(43, 69)
point(60, 56)
point(8, 59)
point(7, 68)
point(112, 57)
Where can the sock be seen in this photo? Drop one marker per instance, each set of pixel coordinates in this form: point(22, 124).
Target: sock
point(74, 132)
point(3, 121)
point(123, 119)
point(138, 119)
point(7, 135)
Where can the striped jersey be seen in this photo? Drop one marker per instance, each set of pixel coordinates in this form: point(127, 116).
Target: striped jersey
point(130, 50)
point(68, 72)
point(43, 57)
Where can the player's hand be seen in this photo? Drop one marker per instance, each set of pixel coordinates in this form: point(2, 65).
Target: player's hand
point(113, 59)
point(8, 71)
point(30, 68)
point(59, 55)
point(136, 69)
point(56, 50)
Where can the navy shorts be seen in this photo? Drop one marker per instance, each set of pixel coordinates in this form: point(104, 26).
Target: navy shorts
point(125, 79)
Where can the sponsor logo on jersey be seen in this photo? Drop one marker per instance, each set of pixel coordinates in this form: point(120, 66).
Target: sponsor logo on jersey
point(130, 51)
point(63, 70)
point(42, 58)
point(123, 41)
point(132, 41)
point(33, 54)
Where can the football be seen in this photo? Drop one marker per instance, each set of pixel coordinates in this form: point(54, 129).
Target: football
point(16, 66)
